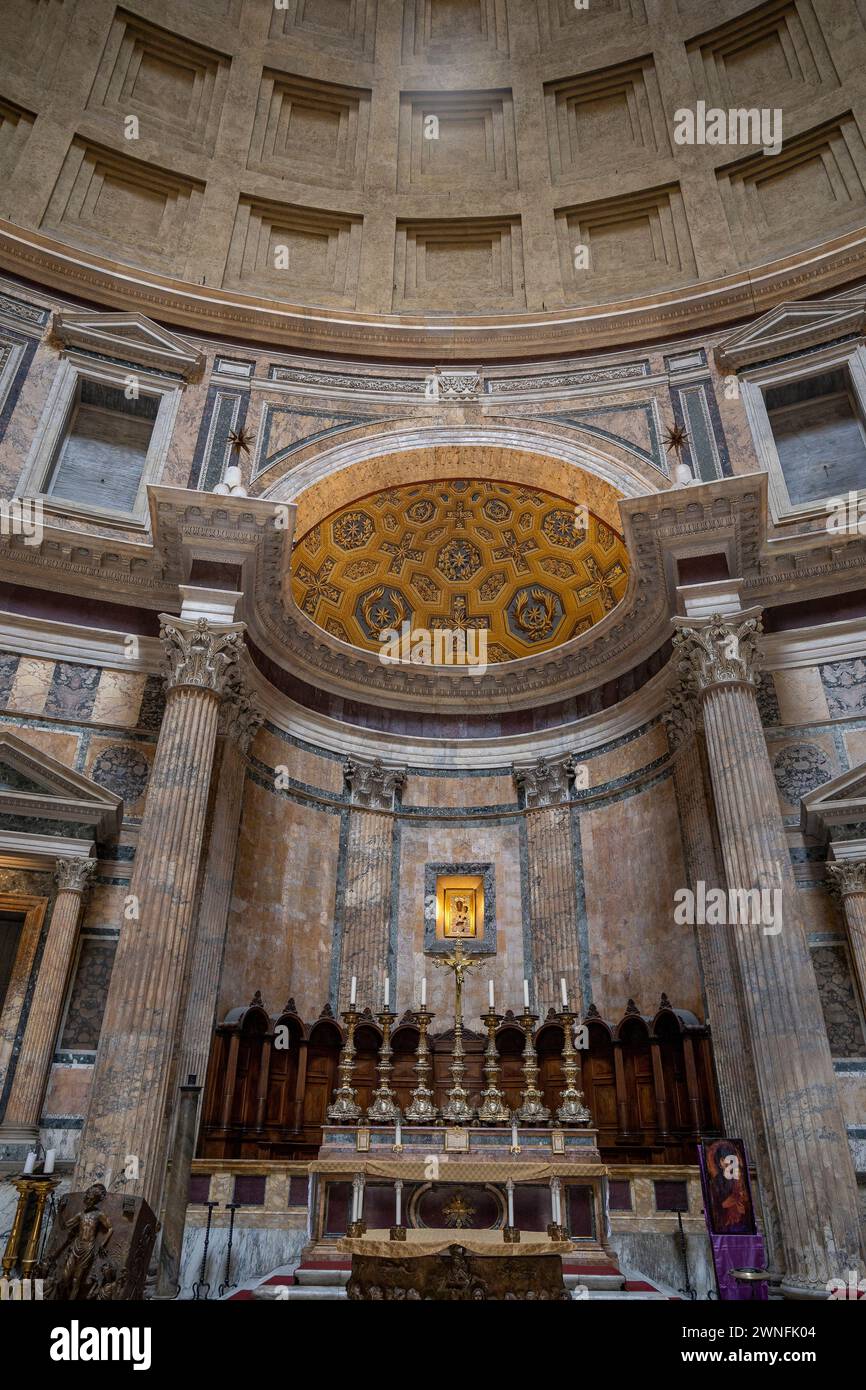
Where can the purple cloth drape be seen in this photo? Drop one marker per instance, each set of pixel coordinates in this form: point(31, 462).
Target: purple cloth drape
point(738, 1252)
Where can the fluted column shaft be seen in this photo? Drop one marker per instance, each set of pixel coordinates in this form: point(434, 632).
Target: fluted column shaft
point(37, 1047)
point(721, 975)
point(127, 1110)
point(373, 790)
point(806, 1136)
point(241, 722)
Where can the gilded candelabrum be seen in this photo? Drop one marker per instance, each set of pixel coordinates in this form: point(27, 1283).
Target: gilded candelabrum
point(493, 1110)
point(457, 1110)
point(572, 1111)
point(39, 1186)
point(422, 1111)
point(384, 1109)
point(345, 1109)
point(532, 1109)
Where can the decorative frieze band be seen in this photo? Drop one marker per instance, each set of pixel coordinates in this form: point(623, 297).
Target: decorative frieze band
point(373, 785)
point(719, 651)
point(198, 652)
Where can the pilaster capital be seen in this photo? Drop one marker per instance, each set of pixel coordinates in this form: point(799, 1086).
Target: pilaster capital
point(682, 715)
point(545, 783)
point(721, 650)
point(372, 784)
point(848, 876)
point(198, 652)
point(74, 875)
point(240, 714)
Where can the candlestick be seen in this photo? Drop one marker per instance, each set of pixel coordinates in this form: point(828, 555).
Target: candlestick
point(421, 1109)
point(344, 1109)
point(532, 1109)
point(458, 1111)
point(572, 1111)
point(353, 991)
point(526, 994)
point(384, 1109)
point(493, 1110)
point(398, 1230)
point(510, 1232)
point(554, 1229)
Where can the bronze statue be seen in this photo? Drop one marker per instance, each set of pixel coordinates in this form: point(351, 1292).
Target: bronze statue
point(87, 1235)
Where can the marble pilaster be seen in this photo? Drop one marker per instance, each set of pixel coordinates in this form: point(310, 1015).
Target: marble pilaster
point(73, 877)
point(849, 875)
point(806, 1137)
point(125, 1128)
point(373, 789)
point(546, 786)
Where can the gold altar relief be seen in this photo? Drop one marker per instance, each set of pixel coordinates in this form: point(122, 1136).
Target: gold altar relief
point(460, 906)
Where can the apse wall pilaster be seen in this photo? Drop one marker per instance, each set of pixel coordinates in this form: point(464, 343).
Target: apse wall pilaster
point(125, 1126)
point(849, 875)
point(374, 791)
point(73, 877)
point(806, 1135)
point(546, 789)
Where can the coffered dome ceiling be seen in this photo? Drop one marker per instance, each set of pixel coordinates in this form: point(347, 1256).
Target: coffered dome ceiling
point(511, 560)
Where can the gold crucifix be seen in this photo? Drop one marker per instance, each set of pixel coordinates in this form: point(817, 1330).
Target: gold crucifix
point(458, 961)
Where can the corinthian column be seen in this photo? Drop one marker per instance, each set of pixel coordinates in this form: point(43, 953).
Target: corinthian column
point(37, 1047)
point(849, 875)
point(240, 719)
point(806, 1137)
point(546, 788)
point(367, 907)
point(720, 969)
point(126, 1118)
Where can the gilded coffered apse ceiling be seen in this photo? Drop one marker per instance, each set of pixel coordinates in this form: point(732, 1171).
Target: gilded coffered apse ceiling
point(511, 559)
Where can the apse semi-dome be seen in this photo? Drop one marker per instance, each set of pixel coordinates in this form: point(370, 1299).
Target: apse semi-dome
point(530, 569)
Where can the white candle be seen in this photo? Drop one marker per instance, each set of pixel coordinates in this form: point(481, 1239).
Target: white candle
point(510, 1190)
point(424, 992)
point(514, 1134)
point(526, 994)
point(564, 994)
point(490, 995)
point(30, 1163)
point(353, 992)
point(387, 991)
point(48, 1166)
point(398, 1138)
point(398, 1193)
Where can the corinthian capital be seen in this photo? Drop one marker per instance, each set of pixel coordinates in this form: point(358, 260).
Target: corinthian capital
point(373, 784)
point(848, 876)
point(545, 783)
point(722, 650)
point(73, 875)
point(198, 652)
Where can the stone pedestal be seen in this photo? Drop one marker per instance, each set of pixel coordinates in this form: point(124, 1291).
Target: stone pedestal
point(125, 1128)
point(806, 1137)
point(21, 1120)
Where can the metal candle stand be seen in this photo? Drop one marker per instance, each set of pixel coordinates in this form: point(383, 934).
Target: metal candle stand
point(200, 1282)
point(422, 1111)
point(228, 1283)
point(345, 1110)
point(384, 1109)
point(532, 1110)
point(493, 1110)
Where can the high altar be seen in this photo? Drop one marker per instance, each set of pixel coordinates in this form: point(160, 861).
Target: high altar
point(453, 1179)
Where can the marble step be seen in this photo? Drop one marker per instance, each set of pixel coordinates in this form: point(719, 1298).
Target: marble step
point(306, 1277)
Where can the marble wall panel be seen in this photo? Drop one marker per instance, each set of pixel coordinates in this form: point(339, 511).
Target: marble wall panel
point(68, 1089)
point(281, 920)
point(303, 764)
point(800, 765)
point(628, 757)
point(852, 1094)
point(632, 865)
point(121, 767)
point(433, 842)
point(31, 685)
point(458, 791)
point(801, 696)
point(63, 747)
point(118, 698)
